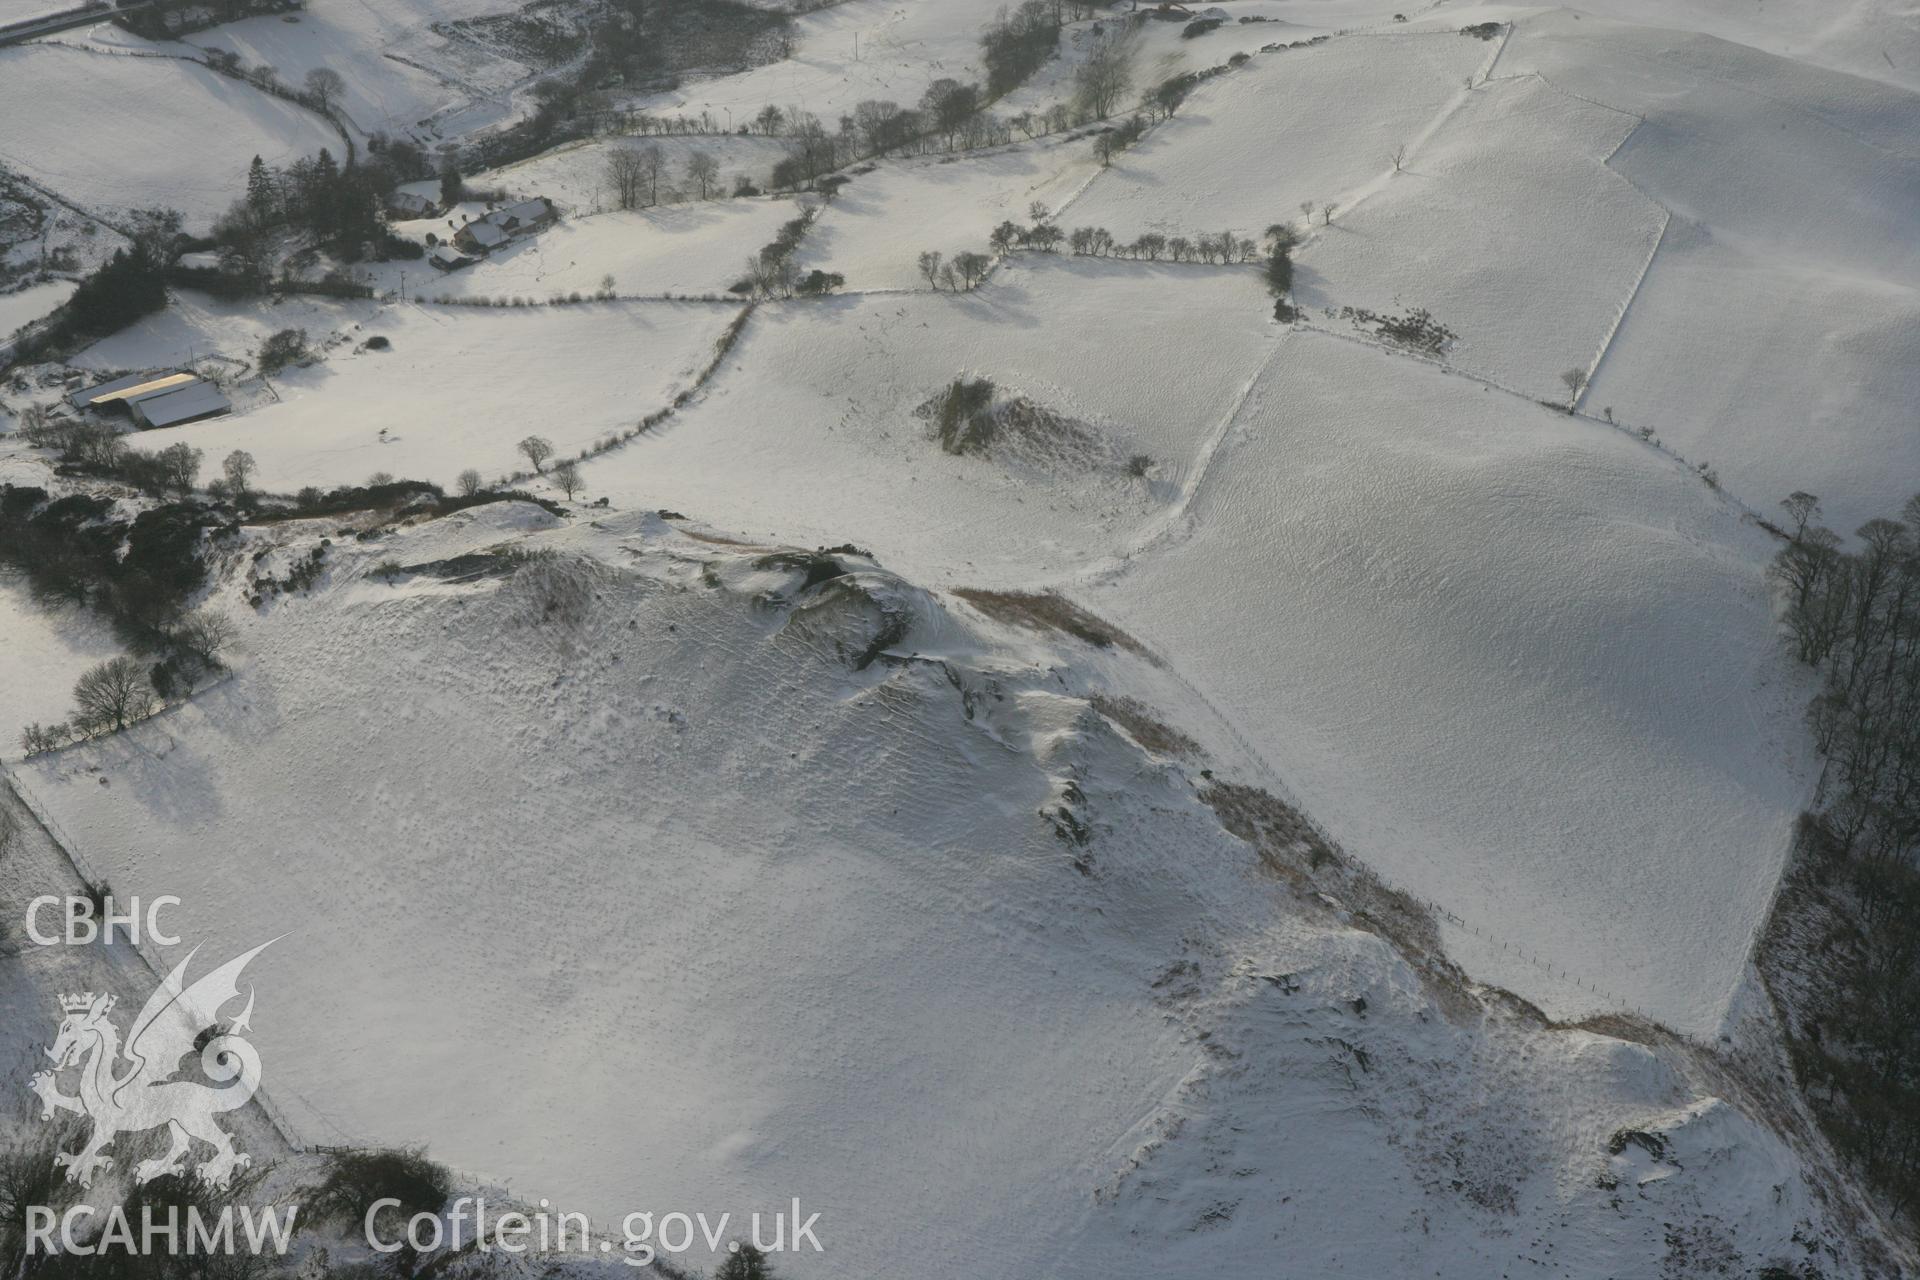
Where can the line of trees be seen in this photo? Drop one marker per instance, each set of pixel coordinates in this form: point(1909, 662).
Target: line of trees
point(953, 115)
point(772, 273)
point(1852, 906)
point(1856, 616)
point(634, 174)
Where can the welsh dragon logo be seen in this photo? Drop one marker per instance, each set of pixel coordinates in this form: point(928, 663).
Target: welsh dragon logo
point(132, 1089)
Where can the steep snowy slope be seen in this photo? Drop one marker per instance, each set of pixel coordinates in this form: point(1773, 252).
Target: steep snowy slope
point(655, 891)
point(1755, 146)
point(1527, 664)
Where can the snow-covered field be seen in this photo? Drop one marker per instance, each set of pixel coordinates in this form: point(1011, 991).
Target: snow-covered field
point(23, 306)
point(1249, 147)
point(696, 248)
point(1698, 361)
point(1878, 39)
point(398, 72)
point(460, 387)
point(21, 10)
point(875, 230)
point(844, 54)
point(823, 397)
point(173, 134)
point(196, 327)
point(46, 651)
point(1507, 226)
point(656, 865)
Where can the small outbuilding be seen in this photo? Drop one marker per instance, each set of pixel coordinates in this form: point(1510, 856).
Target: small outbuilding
point(410, 205)
point(448, 258)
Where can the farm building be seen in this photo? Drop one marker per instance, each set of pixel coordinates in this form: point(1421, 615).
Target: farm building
point(165, 398)
point(483, 235)
point(187, 403)
point(119, 390)
point(409, 204)
point(448, 258)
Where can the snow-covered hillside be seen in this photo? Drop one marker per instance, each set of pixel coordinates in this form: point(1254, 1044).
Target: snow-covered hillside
point(841, 891)
point(172, 133)
point(1250, 782)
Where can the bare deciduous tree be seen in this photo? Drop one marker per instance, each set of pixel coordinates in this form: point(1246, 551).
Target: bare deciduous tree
point(1107, 74)
point(537, 450)
point(113, 694)
point(626, 175)
point(703, 171)
point(971, 268)
point(1575, 381)
point(180, 467)
point(930, 264)
point(566, 474)
point(469, 483)
point(1802, 508)
point(652, 165)
point(238, 470)
point(205, 635)
point(326, 85)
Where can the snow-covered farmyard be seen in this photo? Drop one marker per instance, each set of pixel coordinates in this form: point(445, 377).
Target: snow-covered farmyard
point(1260, 769)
